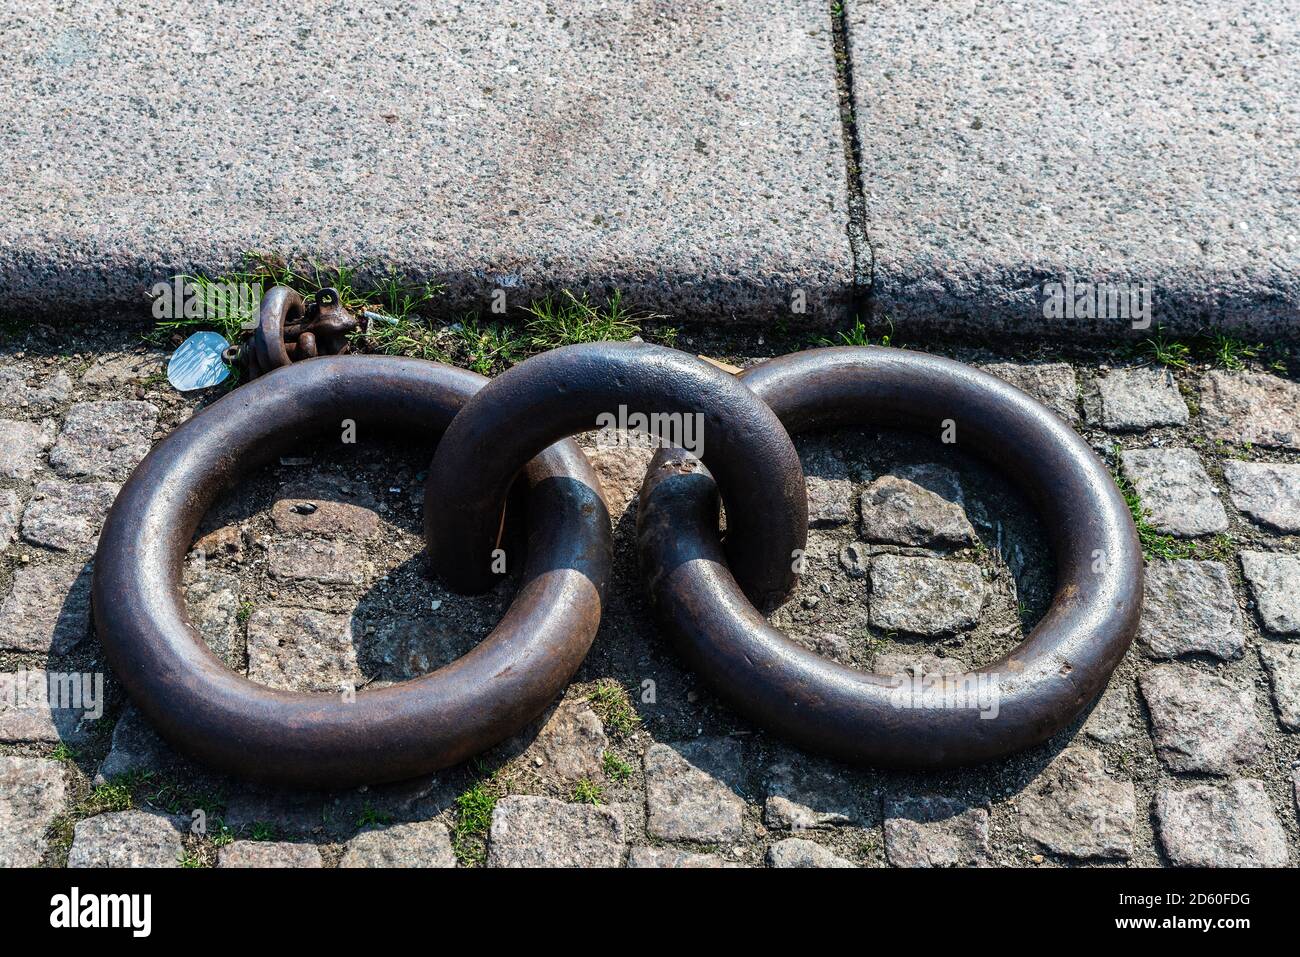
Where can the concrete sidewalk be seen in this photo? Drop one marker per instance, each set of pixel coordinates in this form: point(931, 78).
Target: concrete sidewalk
point(689, 152)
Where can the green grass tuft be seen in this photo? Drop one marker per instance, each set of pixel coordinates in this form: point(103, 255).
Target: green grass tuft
point(859, 335)
point(616, 769)
point(613, 705)
point(587, 792)
point(568, 319)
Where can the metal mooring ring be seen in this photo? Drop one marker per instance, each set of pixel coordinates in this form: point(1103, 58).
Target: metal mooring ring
point(567, 391)
point(319, 740)
point(1032, 692)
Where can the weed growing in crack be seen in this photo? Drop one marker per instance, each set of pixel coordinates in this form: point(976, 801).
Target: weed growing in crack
point(613, 705)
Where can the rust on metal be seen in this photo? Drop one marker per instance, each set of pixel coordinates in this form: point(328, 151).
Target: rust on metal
point(319, 740)
point(564, 392)
point(1039, 687)
point(290, 329)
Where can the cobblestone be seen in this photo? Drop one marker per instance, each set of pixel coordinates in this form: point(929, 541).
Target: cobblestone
point(931, 830)
point(1269, 493)
point(103, 440)
point(689, 796)
point(898, 512)
point(1077, 809)
point(419, 844)
point(22, 448)
point(1231, 825)
point(925, 596)
point(66, 517)
point(1202, 722)
point(1282, 661)
point(542, 832)
point(127, 839)
point(48, 609)
point(300, 649)
point(1052, 383)
point(280, 854)
point(1275, 583)
point(33, 792)
point(1189, 608)
point(1136, 399)
point(1251, 407)
point(1174, 488)
point(797, 852)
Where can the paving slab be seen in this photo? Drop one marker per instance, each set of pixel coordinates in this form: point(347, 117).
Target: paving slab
point(1004, 146)
point(690, 154)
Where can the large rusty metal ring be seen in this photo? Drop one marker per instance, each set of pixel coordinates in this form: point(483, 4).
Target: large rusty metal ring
point(1036, 689)
point(319, 740)
point(567, 391)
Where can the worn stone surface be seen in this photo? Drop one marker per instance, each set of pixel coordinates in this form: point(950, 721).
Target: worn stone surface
point(213, 603)
point(1133, 399)
point(1232, 825)
point(136, 746)
point(569, 745)
point(115, 371)
point(127, 839)
point(1052, 383)
point(38, 707)
point(33, 792)
point(931, 830)
point(104, 440)
point(48, 609)
point(925, 596)
point(542, 832)
point(1274, 580)
point(1111, 721)
point(269, 854)
point(798, 852)
point(621, 469)
point(11, 513)
point(324, 561)
point(325, 505)
point(33, 395)
point(1282, 661)
point(672, 857)
point(898, 512)
point(1201, 722)
point(1175, 490)
point(301, 649)
point(690, 790)
point(855, 558)
point(1075, 808)
point(418, 844)
point(1189, 608)
point(1165, 154)
point(1268, 492)
point(22, 447)
point(66, 516)
point(536, 179)
point(830, 501)
point(804, 792)
point(1253, 407)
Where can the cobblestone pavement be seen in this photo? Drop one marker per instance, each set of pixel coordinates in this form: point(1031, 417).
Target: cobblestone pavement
point(308, 576)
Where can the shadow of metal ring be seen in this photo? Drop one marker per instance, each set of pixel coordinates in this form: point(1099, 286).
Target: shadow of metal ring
point(567, 391)
point(319, 740)
point(899, 721)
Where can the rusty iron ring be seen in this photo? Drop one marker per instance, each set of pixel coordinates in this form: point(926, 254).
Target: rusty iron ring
point(319, 740)
point(564, 392)
point(1041, 685)
point(281, 308)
